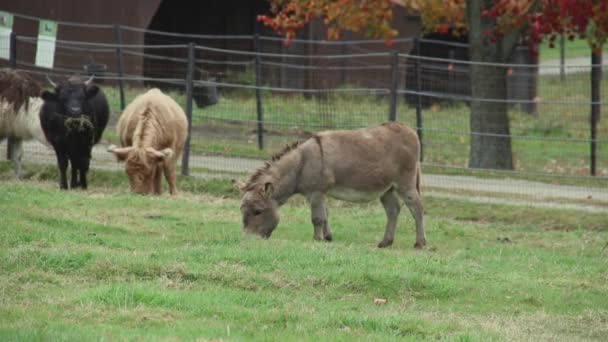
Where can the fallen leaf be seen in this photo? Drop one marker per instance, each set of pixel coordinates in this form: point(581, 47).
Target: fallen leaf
point(380, 301)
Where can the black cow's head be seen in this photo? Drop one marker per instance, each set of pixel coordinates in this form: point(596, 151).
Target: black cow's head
point(70, 95)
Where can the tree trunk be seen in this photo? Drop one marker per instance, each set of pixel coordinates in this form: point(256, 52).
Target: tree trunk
point(489, 121)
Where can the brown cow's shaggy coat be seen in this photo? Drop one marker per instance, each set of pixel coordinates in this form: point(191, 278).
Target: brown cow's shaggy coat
point(152, 131)
point(356, 165)
point(20, 105)
point(17, 87)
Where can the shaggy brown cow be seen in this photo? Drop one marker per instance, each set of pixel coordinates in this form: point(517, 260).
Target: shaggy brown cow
point(152, 131)
point(357, 165)
point(20, 105)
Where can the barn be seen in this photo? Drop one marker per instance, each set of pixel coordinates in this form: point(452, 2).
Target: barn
point(225, 24)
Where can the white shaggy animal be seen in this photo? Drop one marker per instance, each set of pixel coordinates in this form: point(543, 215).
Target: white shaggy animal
point(152, 130)
point(20, 105)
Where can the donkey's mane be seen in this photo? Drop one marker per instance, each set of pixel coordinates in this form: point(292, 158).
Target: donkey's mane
point(276, 157)
point(16, 87)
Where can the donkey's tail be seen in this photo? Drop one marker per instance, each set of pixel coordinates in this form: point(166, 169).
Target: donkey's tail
point(418, 179)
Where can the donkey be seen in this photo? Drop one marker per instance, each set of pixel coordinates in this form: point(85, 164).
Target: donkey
point(351, 165)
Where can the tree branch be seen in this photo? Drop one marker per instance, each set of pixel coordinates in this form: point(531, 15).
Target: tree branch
point(508, 43)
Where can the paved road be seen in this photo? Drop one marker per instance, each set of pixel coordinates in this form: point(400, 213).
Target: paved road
point(571, 65)
point(485, 190)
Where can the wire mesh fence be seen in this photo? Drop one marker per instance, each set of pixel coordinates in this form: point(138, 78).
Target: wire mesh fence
point(251, 95)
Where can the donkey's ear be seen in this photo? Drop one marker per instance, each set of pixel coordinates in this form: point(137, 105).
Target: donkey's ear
point(239, 185)
point(267, 190)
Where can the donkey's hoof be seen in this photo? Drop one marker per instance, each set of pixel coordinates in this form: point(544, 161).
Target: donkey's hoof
point(384, 243)
point(420, 244)
point(328, 238)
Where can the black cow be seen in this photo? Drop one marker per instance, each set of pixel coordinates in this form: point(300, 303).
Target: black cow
point(73, 119)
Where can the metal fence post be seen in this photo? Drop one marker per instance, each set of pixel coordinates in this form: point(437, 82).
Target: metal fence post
point(392, 113)
point(189, 90)
point(13, 50)
point(562, 56)
point(121, 86)
point(344, 62)
point(258, 95)
point(596, 77)
point(13, 64)
point(419, 97)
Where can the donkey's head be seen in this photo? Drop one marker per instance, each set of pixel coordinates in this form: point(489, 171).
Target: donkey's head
point(260, 211)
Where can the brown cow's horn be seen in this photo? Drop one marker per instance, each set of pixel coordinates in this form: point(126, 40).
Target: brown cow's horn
point(51, 81)
point(87, 82)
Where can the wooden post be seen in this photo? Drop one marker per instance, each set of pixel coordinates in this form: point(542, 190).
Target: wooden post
point(419, 97)
point(13, 64)
point(596, 78)
point(121, 86)
point(189, 90)
point(392, 113)
point(562, 57)
point(258, 94)
point(13, 50)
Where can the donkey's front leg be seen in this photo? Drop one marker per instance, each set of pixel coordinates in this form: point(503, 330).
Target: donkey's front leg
point(392, 207)
point(318, 215)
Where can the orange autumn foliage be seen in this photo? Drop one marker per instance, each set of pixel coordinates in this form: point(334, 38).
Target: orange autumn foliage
point(540, 19)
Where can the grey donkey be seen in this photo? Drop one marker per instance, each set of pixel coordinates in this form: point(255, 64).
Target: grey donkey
point(352, 165)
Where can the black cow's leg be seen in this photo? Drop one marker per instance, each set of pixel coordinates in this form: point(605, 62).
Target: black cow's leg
point(74, 181)
point(62, 163)
point(84, 169)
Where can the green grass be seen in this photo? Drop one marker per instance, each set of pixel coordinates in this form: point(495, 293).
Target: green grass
point(106, 264)
point(572, 49)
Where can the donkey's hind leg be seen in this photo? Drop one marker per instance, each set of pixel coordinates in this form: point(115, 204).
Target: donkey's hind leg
point(15, 152)
point(318, 216)
point(392, 207)
point(326, 231)
point(412, 200)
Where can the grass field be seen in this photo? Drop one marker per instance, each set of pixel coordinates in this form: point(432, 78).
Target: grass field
point(572, 49)
point(108, 265)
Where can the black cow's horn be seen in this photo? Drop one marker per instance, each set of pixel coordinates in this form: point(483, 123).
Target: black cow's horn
point(51, 81)
point(87, 82)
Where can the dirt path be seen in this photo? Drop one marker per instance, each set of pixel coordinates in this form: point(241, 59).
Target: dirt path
point(483, 190)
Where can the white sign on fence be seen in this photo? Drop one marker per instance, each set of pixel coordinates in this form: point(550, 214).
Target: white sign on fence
point(6, 28)
point(45, 51)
